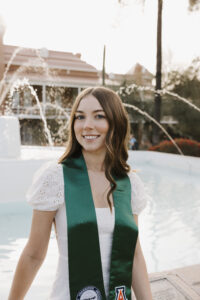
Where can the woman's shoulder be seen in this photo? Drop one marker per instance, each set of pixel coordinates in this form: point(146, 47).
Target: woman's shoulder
point(135, 179)
point(46, 190)
point(47, 168)
point(139, 193)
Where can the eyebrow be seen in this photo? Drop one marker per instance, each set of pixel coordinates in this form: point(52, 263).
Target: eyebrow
point(95, 111)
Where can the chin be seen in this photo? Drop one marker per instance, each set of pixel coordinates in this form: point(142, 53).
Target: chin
point(93, 149)
point(88, 149)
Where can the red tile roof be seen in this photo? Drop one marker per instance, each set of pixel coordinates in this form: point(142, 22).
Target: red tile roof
point(54, 59)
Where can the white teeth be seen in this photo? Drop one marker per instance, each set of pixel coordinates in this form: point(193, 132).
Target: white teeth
point(90, 137)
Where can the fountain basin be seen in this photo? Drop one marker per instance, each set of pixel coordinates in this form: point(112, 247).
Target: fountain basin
point(10, 143)
point(16, 173)
point(169, 225)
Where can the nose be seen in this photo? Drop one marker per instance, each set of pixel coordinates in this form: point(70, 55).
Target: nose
point(88, 123)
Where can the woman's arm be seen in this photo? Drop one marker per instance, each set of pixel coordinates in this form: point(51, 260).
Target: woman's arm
point(33, 253)
point(140, 280)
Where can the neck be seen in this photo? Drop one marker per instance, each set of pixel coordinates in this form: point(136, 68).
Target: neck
point(94, 161)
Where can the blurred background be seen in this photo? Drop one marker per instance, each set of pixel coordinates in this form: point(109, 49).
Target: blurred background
point(148, 51)
point(63, 47)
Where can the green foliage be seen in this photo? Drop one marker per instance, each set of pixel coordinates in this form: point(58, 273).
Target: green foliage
point(187, 85)
point(141, 99)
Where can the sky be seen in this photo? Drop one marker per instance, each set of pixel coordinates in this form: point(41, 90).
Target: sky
point(84, 26)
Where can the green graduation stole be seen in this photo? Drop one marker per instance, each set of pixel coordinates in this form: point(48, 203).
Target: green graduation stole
point(85, 268)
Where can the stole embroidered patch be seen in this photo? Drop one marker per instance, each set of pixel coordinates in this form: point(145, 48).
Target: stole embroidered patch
point(120, 293)
point(89, 293)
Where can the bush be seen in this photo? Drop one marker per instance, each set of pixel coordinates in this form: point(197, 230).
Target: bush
point(187, 146)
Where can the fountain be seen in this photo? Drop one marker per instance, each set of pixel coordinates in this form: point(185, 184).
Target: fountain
point(10, 137)
point(172, 180)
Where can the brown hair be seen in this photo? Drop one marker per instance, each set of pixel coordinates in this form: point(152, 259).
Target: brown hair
point(117, 136)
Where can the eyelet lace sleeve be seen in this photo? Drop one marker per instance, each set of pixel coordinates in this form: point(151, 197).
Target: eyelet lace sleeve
point(139, 195)
point(47, 189)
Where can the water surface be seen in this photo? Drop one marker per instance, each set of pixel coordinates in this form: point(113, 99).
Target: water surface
point(169, 228)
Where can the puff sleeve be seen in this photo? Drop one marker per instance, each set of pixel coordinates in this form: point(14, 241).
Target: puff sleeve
point(47, 189)
point(139, 196)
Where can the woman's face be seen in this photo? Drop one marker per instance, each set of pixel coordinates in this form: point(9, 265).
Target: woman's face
point(91, 125)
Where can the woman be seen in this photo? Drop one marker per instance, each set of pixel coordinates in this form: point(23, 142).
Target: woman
point(94, 200)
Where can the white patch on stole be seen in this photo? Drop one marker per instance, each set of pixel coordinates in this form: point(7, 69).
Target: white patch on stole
point(89, 293)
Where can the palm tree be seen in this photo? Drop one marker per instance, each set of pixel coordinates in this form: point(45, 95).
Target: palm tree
point(158, 99)
point(193, 5)
point(103, 68)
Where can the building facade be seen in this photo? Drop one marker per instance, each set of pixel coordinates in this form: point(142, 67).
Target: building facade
point(38, 84)
point(41, 83)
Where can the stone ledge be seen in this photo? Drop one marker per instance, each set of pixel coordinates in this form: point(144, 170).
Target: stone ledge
point(177, 284)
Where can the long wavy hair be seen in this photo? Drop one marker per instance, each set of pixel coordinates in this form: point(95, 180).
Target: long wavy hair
point(117, 137)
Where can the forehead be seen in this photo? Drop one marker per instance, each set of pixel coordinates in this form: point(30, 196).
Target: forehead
point(89, 103)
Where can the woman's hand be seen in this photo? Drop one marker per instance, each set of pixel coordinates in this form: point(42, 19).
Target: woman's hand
point(33, 253)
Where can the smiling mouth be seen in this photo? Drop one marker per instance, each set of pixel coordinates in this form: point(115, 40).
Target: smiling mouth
point(90, 137)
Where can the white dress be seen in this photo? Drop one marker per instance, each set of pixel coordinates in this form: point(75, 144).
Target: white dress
point(47, 193)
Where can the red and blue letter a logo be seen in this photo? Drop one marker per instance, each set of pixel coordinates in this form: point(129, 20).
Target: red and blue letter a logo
point(120, 293)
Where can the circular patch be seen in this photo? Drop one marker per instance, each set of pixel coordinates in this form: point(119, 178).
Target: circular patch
point(89, 293)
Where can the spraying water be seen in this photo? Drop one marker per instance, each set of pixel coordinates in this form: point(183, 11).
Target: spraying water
point(34, 94)
point(14, 82)
point(144, 113)
point(17, 50)
point(134, 87)
point(39, 61)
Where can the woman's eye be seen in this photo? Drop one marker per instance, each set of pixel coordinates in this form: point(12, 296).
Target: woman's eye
point(100, 116)
point(79, 117)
